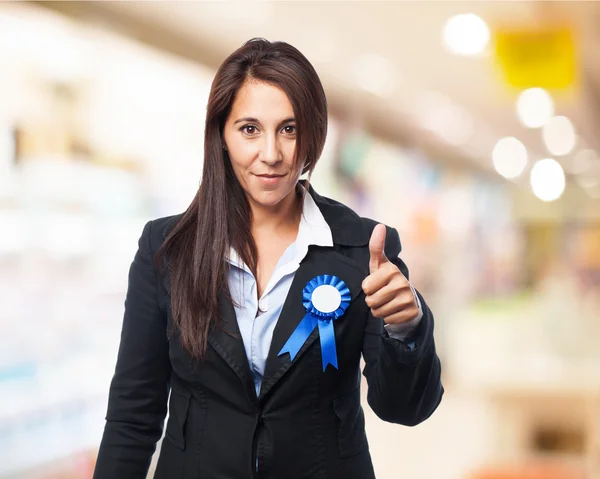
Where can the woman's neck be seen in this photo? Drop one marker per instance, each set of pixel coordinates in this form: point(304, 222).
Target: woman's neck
point(282, 218)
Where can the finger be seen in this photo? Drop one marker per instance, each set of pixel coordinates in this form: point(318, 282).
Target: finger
point(387, 273)
point(402, 309)
point(401, 317)
point(376, 247)
point(382, 296)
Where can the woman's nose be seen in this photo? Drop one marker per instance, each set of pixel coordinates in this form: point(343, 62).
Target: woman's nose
point(270, 151)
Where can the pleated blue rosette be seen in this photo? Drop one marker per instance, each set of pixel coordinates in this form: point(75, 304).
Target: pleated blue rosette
point(325, 299)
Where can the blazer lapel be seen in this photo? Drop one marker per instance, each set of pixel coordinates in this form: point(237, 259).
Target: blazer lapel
point(227, 341)
point(318, 261)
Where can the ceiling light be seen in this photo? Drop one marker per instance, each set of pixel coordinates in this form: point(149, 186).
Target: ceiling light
point(559, 135)
point(465, 34)
point(535, 107)
point(509, 157)
point(547, 180)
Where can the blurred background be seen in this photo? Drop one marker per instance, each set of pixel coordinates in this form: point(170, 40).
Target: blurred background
point(471, 127)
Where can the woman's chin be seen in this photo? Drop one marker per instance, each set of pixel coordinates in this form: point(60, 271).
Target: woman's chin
point(267, 199)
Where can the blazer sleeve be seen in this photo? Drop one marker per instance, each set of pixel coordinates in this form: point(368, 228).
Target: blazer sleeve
point(139, 389)
point(404, 378)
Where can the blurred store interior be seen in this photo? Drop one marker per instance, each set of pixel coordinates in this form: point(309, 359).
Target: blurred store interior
point(471, 127)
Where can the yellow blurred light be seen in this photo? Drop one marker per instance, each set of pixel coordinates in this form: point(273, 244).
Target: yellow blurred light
point(547, 180)
point(465, 34)
point(535, 107)
point(509, 157)
point(537, 57)
point(559, 136)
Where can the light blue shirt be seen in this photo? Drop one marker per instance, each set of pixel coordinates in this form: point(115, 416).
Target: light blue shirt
point(257, 317)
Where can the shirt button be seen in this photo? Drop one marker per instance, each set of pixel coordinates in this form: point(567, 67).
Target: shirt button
point(263, 304)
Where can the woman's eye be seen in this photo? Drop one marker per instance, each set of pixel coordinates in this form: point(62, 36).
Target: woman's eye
point(289, 129)
point(249, 129)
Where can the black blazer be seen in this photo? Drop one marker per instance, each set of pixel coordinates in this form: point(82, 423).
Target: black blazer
point(306, 423)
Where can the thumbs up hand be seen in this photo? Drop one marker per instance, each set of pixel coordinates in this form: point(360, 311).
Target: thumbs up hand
point(388, 292)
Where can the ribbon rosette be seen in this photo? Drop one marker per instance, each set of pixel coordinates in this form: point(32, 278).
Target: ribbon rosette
point(325, 298)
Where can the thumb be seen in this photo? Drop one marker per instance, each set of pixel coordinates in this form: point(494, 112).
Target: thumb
point(376, 245)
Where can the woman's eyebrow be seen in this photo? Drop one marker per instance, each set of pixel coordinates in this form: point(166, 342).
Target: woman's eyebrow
point(246, 119)
point(256, 120)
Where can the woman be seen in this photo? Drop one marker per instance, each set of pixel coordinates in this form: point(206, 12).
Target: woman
point(252, 308)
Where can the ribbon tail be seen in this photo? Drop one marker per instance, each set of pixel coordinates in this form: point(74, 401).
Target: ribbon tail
point(327, 338)
point(299, 337)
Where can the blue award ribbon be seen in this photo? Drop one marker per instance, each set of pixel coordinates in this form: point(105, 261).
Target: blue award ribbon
point(323, 319)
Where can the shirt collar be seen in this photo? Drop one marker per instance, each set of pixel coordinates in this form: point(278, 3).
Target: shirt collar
point(313, 229)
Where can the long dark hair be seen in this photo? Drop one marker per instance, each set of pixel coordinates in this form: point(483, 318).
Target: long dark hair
point(219, 216)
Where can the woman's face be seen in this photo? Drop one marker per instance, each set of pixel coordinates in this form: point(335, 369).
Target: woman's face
point(260, 135)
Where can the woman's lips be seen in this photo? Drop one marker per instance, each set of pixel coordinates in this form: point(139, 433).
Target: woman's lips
point(269, 180)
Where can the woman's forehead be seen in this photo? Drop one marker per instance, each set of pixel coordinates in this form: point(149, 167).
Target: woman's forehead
point(262, 101)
